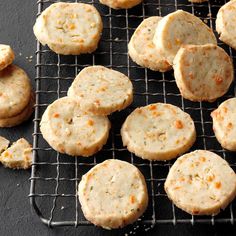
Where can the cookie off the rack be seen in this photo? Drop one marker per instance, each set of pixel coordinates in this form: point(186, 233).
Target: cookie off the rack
point(142, 49)
point(69, 28)
point(7, 56)
point(203, 72)
point(224, 124)
point(101, 91)
point(70, 130)
point(201, 183)
point(158, 132)
point(181, 28)
point(113, 194)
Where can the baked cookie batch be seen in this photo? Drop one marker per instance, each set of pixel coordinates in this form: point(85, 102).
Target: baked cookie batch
point(114, 193)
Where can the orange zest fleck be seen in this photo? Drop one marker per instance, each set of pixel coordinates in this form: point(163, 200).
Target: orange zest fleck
point(179, 124)
point(56, 115)
point(90, 122)
point(152, 107)
point(177, 188)
point(230, 125)
point(210, 178)
point(132, 199)
point(202, 159)
point(218, 79)
point(218, 185)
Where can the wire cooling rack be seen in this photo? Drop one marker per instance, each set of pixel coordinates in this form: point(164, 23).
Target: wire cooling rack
point(55, 176)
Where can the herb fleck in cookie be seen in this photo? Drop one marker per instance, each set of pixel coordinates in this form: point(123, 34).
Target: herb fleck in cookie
point(101, 91)
point(113, 194)
point(201, 183)
point(142, 49)
point(203, 72)
point(158, 132)
point(70, 130)
point(69, 28)
point(224, 124)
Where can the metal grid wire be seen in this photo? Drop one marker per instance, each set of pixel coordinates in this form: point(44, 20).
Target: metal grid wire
point(55, 176)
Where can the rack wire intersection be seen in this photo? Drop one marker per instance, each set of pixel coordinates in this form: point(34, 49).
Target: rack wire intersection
point(55, 177)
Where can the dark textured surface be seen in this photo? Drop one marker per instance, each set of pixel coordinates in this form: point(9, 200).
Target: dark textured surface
point(16, 218)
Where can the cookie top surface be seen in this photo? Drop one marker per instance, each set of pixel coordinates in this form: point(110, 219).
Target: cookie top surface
point(70, 130)
point(203, 72)
point(64, 26)
point(15, 90)
point(181, 28)
point(4, 143)
point(6, 56)
point(142, 49)
point(225, 23)
point(101, 90)
point(120, 4)
point(158, 131)
point(201, 183)
point(113, 194)
point(224, 123)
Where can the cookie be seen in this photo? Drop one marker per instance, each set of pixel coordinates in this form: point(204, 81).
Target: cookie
point(15, 91)
point(201, 183)
point(198, 1)
point(180, 28)
point(120, 4)
point(4, 143)
point(143, 51)
point(158, 132)
point(70, 130)
point(69, 28)
point(224, 124)
point(101, 91)
point(21, 117)
point(203, 72)
point(225, 23)
point(18, 155)
point(113, 194)
point(7, 56)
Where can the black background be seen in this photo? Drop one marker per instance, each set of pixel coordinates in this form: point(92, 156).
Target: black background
point(16, 218)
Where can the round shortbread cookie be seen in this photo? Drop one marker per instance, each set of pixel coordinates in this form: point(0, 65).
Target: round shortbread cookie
point(6, 56)
point(141, 47)
point(70, 130)
point(15, 90)
point(181, 28)
point(224, 124)
point(225, 23)
point(203, 72)
point(101, 91)
point(113, 194)
point(4, 143)
point(158, 132)
point(201, 183)
point(120, 4)
point(69, 28)
point(21, 117)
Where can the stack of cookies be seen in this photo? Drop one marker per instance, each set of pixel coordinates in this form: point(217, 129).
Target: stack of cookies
point(77, 124)
point(16, 96)
point(203, 71)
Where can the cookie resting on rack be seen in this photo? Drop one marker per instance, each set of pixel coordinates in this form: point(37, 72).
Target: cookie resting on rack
point(120, 4)
point(113, 194)
point(224, 124)
point(181, 28)
point(203, 72)
point(69, 28)
point(158, 132)
point(101, 91)
point(225, 23)
point(6, 56)
point(18, 155)
point(201, 183)
point(70, 130)
point(142, 49)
